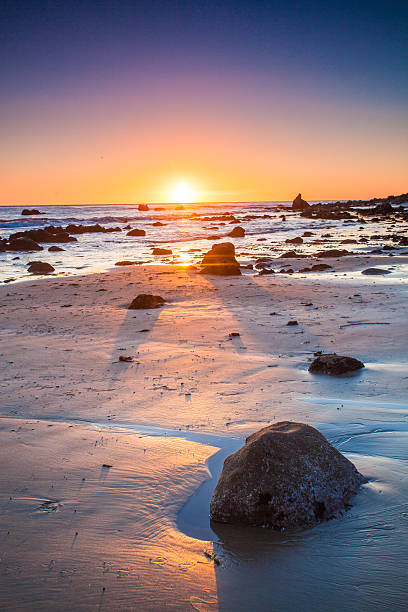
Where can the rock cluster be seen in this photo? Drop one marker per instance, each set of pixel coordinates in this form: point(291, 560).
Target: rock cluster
point(299, 204)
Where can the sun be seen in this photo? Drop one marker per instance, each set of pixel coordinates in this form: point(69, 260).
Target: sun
point(183, 193)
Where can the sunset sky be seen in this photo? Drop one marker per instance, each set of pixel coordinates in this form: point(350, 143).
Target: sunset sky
point(114, 102)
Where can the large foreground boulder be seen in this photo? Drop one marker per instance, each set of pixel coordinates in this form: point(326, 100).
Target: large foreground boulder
point(335, 365)
point(299, 204)
point(221, 260)
point(286, 475)
point(146, 301)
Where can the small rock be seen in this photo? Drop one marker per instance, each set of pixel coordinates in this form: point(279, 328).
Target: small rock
point(136, 232)
point(40, 267)
point(375, 271)
point(237, 232)
point(292, 323)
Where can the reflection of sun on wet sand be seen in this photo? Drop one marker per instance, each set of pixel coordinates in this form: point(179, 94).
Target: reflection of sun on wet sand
point(66, 539)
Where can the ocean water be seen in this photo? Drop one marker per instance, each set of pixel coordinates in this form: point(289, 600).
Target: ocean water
point(186, 231)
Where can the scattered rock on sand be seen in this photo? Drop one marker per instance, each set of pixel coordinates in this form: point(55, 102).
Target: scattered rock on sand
point(335, 365)
point(40, 267)
point(221, 260)
point(147, 301)
point(299, 204)
point(136, 232)
point(320, 267)
point(237, 232)
point(375, 271)
point(286, 475)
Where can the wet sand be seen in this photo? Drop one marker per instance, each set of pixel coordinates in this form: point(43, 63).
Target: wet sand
point(69, 406)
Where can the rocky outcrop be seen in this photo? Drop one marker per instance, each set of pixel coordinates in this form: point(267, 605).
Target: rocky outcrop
point(299, 204)
point(147, 301)
point(23, 244)
point(48, 234)
point(335, 365)
point(221, 260)
point(136, 232)
point(90, 229)
point(40, 267)
point(286, 475)
point(143, 207)
point(32, 211)
point(237, 232)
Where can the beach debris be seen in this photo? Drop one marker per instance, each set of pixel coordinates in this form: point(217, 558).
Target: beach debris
point(40, 267)
point(136, 232)
point(145, 301)
point(299, 204)
point(106, 465)
point(335, 365)
point(375, 271)
point(286, 475)
point(294, 322)
point(212, 557)
point(221, 260)
point(125, 358)
point(364, 323)
point(237, 232)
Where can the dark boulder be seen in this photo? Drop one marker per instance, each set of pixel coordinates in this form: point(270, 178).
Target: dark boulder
point(23, 244)
point(320, 267)
point(49, 234)
point(237, 232)
point(146, 301)
point(335, 365)
point(221, 260)
point(136, 232)
point(40, 267)
point(286, 475)
point(299, 204)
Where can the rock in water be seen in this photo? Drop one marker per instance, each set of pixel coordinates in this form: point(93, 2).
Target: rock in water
point(40, 267)
point(221, 260)
point(147, 301)
point(299, 204)
point(32, 211)
point(335, 365)
point(143, 207)
point(286, 475)
point(136, 232)
point(237, 232)
point(23, 244)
